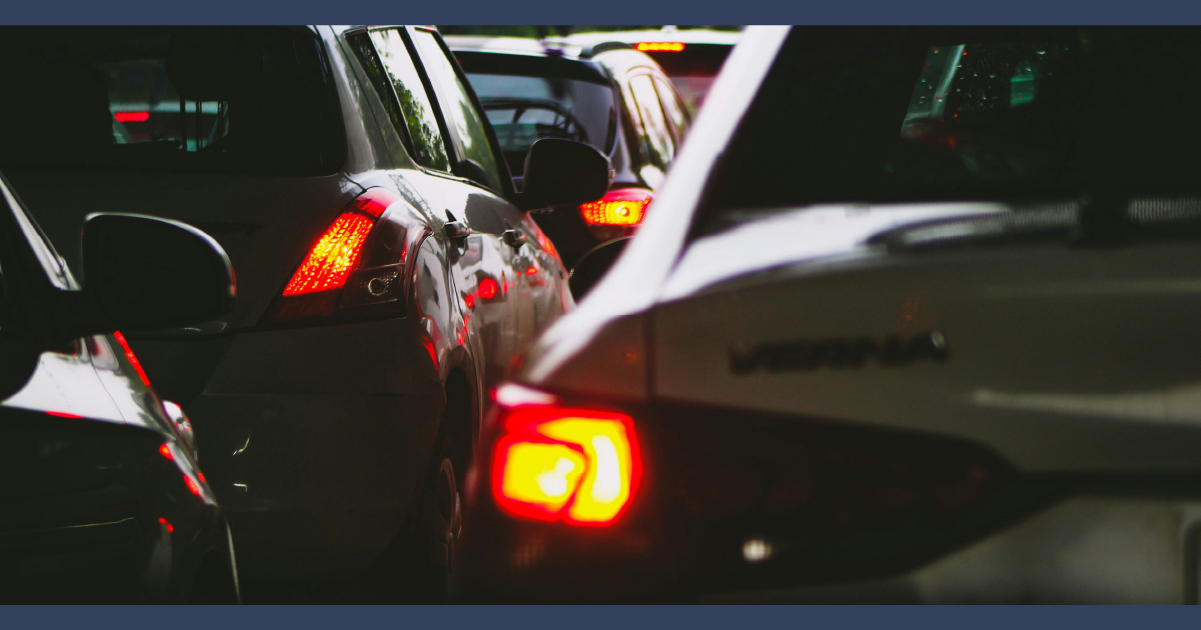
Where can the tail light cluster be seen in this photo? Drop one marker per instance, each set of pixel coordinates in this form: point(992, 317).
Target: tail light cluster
point(357, 266)
point(623, 207)
point(552, 463)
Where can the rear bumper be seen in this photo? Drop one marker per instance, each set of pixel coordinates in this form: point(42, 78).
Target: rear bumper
point(316, 442)
point(1082, 551)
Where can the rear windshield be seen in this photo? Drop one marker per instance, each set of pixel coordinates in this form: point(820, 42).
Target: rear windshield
point(692, 68)
point(909, 114)
point(524, 109)
point(242, 100)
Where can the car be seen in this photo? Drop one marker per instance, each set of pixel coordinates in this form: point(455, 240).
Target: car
point(389, 275)
point(691, 57)
point(610, 96)
point(913, 321)
point(102, 494)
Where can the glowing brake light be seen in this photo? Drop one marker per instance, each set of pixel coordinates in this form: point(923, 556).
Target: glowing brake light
point(621, 207)
point(341, 258)
point(660, 46)
point(575, 465)
point(132, 116)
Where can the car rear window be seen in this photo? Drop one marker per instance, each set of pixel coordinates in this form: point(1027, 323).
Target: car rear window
point(242, 100)
point(881, 115)
point(524, 109)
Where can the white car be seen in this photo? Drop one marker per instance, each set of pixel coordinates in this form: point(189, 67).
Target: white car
point(915, 320)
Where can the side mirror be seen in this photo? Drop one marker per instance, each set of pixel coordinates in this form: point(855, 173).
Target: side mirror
point(143, 273)
point(562, 172)
point(594, 265)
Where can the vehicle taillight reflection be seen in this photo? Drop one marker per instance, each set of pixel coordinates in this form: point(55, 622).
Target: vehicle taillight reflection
point(575, 465)
point(133, 360)
point(487, 288)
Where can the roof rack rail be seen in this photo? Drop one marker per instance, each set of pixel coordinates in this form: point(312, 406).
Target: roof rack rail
point(596, 49)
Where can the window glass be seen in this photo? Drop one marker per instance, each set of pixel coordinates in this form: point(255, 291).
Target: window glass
point(470, 135)
point(675, 114)
point(424, 139)
point(226, 99)
point(524, 109)
point(662, 147)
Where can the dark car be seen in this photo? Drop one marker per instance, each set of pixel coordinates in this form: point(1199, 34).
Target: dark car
point(915, 320)
point(609, 96)
point(100, 491)
point(389, 274)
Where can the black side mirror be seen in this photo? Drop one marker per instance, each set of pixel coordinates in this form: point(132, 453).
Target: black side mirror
point(594, 265)
point(143, 273)
point(562, 172)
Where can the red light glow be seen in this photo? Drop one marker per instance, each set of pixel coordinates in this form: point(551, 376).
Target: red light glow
point(488, 288)
point(63, 414)
point(163, 521)
point(166, 452)
point(660, 46)
point(133, 360)
point(375, 201)
point(575, 465)
point(622, 207)
point(469, 300)
point(131, 116)
point(200, 476)
point(333, 256)
point(192, 486)
point(531, 271)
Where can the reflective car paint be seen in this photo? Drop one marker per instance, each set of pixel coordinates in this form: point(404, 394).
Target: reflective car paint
point(317, 437)
point(94, 509)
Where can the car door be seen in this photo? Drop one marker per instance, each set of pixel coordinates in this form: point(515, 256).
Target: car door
point(462, 179)
point(536, 276)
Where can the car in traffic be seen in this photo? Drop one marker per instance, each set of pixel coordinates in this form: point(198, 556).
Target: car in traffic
point(913, 321)
point(102, 494)
point(609, 96)
point(389, 274)
point(691, 57)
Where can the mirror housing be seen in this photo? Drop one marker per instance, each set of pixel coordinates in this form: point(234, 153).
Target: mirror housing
point(562, 172)
point(145, 273)
point(594, 265)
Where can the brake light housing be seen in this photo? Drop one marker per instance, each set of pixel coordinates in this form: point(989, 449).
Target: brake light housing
point(622, 207)
point(357, 267)
point(660, 46)
point(578, 466)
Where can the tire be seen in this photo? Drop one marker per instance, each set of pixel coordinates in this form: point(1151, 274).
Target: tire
point(439, 524)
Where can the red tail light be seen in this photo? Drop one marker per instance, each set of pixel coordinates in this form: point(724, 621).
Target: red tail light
point(575, 465)
point(132, 116)
point(621, 207)
point(358, 261)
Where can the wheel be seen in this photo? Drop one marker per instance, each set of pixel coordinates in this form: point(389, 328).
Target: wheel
point(439, 523)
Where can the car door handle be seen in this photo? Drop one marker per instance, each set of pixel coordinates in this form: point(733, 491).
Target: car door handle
point(456, 231)
point(513, 238)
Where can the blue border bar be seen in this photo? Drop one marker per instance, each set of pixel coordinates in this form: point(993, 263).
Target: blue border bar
point(64, 12)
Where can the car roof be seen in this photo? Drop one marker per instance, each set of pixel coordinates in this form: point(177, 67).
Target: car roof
point(685, 36)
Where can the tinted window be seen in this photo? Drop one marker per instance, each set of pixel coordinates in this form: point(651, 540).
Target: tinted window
point(658, 137)
point(468, 129)
point(675, 114)
point(523, 109)
point(977, 114)
point(424, 140)
point(255, 100)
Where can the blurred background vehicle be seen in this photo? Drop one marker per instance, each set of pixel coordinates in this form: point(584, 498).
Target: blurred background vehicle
point(941, 347)
point(389, 274)
point(608, 95)
point(691, 57)
point(102, 496)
